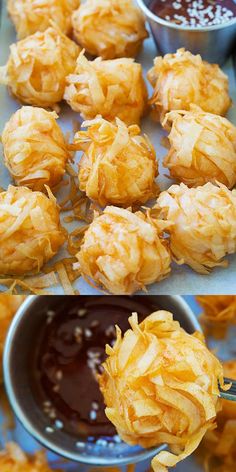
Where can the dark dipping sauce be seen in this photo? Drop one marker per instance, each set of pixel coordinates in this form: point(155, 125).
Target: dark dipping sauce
point(195, 13)
point(68, 356)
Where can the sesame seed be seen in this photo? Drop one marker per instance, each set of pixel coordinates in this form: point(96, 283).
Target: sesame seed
point(195, 13)
point(88, 333)
point(49, 430)
point(59, 424)
point(82, 312)
point(59, 375)
point(94, 324)
point(80, 445)
point(101, 442)
point(93, 415)
point(95, 406)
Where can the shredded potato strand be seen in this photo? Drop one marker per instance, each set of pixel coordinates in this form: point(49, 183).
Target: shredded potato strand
point(160, 385)
point(110, 88)
point(218, 315)
point(109, 28)
point(124, 251)
point(37, 67)
point(13, 459)
point(218, 449)
point(30, 230)
point(35, 150)
point(118, 165)
point(30, 16)
point(181, 79)
point(202, 148)
point(203, 229)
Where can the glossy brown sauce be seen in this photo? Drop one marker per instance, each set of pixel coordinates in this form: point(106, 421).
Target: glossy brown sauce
point(196, 12)
point(69, 355)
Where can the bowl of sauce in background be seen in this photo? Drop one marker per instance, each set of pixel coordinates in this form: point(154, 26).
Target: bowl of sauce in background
point(54, 350)
point(206, 27)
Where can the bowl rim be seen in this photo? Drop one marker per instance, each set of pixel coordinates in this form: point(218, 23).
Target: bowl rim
point(44, 439)
point(202, 29)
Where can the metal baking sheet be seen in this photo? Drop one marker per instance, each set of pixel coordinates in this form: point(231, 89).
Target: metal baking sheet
point(182, 280)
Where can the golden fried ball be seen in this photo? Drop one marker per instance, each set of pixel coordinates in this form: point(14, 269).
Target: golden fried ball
point(118, 165)
point(109, 88)
point(37, 67)
point(202, 148)
point(30, 231)
point(181, 79)
point(219, 313)
point(35, 150)
point(30, 16)
point(204, 224)
point(109, 28)
point(9, 304)
point(13, 459)
point(218, 448)
point(122, 251)
point(160, 385)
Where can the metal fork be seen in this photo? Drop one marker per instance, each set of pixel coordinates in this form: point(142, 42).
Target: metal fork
point(231, 393)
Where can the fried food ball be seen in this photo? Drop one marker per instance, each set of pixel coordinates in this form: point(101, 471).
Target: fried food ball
point(13, 459)
point(181, 79)
point(30, 231)
point(9, 304)
point(203, 227)
point(218, 315)
point(160, 385)
point(30, 16)
point(118, 165)
point(202, 148)
point(37, 67)
point(109, 88)
point(218, 448)
point(35, 150)
point(109, 28)
point(123, 252)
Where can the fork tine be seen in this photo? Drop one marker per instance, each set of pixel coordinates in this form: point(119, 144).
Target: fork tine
point(231, 393)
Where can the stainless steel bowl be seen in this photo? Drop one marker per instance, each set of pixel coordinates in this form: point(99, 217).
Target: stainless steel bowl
point(214, 43)
point(21, 337)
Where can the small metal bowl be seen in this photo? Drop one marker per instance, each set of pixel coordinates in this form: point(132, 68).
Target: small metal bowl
point(214, 43)
point(22, 335)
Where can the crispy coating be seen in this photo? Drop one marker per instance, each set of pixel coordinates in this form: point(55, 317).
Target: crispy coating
point(9, 304)
point(109, 88)
point(118, 166)
point(219, 313)
point(202, 148)
point(30, 16)
point(203, 221)
point(218, 448)
point(160, 385)
point(109, 28)
point(181, 79)
point(123, 252)
point(37, 67)
point(13, 459)
point(35, 150)
point(30, 231)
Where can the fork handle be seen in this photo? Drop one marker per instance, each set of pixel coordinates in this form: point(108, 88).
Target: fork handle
point(228, 396)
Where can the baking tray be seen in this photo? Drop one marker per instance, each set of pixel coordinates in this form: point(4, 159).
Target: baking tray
point(183, 279)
